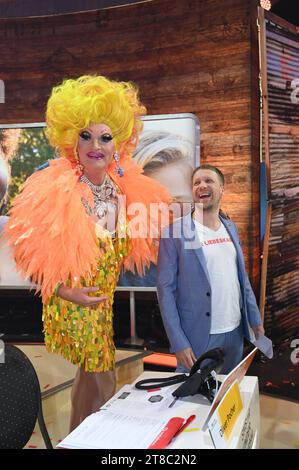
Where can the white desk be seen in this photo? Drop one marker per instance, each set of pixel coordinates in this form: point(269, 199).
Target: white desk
point(141, 408)
point(193, 437)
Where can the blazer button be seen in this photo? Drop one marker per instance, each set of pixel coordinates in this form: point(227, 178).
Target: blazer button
point(208, 294)
point(208, 314)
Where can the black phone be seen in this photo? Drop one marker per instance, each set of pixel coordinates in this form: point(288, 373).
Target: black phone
point(200, 379)
point(215, 355)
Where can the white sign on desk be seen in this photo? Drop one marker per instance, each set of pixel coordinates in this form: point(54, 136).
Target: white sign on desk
point(222, 423)
point(244, 432)
point(236, 374)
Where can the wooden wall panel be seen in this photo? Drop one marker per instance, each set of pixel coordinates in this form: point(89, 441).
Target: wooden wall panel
point(186, 56)
point(281, 310)
point(282, 281)
point(280, 269)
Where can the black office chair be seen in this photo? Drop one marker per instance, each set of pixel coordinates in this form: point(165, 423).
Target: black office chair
point(20, 400)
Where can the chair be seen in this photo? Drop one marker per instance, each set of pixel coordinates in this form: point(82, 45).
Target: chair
point(20, 400)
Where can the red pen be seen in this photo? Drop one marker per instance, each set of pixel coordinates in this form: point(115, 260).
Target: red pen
point(184, 425)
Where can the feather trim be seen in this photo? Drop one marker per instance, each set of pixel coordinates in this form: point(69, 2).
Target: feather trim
point(53, 238)
point(50, 244)
point(147, 205)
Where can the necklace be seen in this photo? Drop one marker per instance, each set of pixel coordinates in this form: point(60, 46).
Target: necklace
point(104, 195)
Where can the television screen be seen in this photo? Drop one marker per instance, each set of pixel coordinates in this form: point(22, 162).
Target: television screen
point(168, 150)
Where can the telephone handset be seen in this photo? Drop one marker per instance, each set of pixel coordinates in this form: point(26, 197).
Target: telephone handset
point(216, 355)
point(200, 380)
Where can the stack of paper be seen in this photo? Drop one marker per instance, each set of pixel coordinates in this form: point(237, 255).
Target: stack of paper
point(114, 430)
point(132, 419)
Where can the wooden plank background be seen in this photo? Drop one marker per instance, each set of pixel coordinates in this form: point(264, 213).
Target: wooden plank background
point(190, 56)
point(282, 280)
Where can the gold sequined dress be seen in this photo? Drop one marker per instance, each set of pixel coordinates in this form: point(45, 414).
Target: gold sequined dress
point(54, 240)
point(84, 335)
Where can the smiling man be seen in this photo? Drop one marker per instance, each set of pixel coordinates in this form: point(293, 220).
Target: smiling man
point(205, 297)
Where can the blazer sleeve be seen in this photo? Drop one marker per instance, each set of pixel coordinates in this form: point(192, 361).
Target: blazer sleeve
point(167, 273)
point(253, 313)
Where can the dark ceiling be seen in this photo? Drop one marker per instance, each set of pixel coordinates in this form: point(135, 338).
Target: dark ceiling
point(286, 9)
point(24, 8)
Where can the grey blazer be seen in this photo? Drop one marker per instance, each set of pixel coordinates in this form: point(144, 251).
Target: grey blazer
point(184, 290)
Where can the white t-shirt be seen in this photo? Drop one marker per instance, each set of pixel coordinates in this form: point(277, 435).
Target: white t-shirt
point(221, 259)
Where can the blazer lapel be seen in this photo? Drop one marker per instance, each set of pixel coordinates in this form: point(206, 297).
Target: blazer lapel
point(192, 242)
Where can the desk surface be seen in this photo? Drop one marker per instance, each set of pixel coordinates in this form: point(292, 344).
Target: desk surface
point(193, 437)
point(132, 419)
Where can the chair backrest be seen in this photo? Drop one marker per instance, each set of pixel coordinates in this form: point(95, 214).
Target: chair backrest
point(20, 400)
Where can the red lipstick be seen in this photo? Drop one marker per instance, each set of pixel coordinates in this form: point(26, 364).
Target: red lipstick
point(96, 155)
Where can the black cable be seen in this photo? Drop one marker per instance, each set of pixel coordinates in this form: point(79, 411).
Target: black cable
point(160, 382)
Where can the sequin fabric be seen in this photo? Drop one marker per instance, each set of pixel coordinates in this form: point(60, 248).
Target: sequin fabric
point(85, 335)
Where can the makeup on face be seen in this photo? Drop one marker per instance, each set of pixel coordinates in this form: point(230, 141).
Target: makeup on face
point(103, 139)
point(86, 138)
point(96, 143)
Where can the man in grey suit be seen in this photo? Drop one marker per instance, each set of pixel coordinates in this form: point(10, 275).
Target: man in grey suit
point(204, 293)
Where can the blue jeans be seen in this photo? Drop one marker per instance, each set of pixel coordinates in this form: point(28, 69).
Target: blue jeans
point(232, 344)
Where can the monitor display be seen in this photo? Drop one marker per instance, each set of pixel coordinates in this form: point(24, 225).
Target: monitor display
point(168, 150)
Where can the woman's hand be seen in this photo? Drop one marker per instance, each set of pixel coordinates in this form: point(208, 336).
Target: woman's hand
point(79, 295)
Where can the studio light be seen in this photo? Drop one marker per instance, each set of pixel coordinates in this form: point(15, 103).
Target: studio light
point(266, 4)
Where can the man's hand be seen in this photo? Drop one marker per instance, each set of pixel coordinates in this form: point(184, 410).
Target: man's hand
point(186, 358)
point(258, 331)
point(79, 296)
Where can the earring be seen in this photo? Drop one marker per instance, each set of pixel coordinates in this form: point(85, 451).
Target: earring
point(79, 166)
point(118, 169)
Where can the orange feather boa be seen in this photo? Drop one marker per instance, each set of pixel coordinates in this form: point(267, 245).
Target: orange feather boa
point(53, 238)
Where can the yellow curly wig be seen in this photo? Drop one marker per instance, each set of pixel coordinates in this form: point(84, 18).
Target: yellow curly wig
point(77, 103)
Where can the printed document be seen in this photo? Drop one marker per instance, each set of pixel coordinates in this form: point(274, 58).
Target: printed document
point(131, 419)
point(112, 430)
